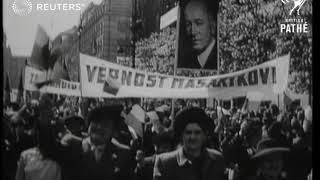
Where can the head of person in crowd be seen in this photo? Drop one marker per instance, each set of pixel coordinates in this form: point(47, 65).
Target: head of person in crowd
point(244, 116)
point(102, 124)
point(276, 131)
point(296, 128)
point(269, 159)
point(274, 110)
point(293, 119)
point(267, 118)
point(45, 102)
point(164, 117)
point(251, 131)
point(192, 126)
point(252, 114)
point(75, 124)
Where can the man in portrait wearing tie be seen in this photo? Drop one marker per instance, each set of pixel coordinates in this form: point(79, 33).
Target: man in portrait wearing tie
point(198, 45)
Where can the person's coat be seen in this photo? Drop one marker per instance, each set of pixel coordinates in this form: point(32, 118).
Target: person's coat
point(174, 166)
point(189, 60)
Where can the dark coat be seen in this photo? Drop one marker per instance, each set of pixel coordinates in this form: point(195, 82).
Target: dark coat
point(174, 166)
point(189, 60)
point(77, 165)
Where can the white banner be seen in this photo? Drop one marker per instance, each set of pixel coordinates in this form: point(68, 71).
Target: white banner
point(269, 77)
point(63, 87)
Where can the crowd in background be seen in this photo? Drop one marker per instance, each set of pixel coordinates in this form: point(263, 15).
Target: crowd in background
point(235, 133)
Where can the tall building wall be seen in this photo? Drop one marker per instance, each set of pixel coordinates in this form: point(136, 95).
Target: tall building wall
point(106, 27)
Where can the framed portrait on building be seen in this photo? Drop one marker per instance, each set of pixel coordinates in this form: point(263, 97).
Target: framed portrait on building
point(198, 32)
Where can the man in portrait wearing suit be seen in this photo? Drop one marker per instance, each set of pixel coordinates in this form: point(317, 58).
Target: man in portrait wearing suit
point(192, 160)
point(199, 45)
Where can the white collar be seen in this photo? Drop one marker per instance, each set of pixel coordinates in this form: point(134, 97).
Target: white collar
point(203, 57)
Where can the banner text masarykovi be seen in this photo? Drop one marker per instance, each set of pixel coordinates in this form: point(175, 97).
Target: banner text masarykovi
point(261, 76)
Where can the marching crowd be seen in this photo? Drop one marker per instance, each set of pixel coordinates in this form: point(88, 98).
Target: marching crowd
point(49, 140)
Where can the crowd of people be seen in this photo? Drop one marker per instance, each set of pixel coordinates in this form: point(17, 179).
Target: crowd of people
point(249, 34)
point(49, 139)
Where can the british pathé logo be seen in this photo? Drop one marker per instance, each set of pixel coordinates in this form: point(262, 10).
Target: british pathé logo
point(22, 7)
point(294, 25)
point(297, 4)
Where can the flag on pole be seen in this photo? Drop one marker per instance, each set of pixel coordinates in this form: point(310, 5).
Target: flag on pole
point(39, 85)
point(40, 53)
point(135, 119)
point(111, 86)
point(59, 70)
point(286, 100)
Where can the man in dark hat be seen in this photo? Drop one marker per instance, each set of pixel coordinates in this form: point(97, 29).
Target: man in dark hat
point(242, 146)
point(97, 158)
point(269, 160)
point(162, 143)
point(75, 124)
point(192, 160)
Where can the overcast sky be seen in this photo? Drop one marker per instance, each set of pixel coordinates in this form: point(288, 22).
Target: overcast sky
point(21, 30)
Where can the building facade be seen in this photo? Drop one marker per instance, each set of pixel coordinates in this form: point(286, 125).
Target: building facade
point(12, 65)
point(148, 11)
point(106, 28)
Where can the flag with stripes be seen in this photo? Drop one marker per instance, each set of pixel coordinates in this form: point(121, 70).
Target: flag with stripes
point(111, 86)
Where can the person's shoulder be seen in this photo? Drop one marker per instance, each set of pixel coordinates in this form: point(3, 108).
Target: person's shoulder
point(168, 155)
point(214, 154)
point(189, 60)
point(212, 60)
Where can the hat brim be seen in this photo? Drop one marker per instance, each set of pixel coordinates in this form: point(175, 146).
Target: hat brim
point(269, 151)
point(74, 122)
point(72, 118)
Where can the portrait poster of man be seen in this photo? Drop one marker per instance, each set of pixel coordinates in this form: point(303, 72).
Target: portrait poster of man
point(198, 45)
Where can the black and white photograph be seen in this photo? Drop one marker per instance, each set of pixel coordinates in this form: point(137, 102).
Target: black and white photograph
point(157, 90)
point(198, 35)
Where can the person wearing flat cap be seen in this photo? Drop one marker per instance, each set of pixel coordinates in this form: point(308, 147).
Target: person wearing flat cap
point(192, 160)
point(269, 160)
